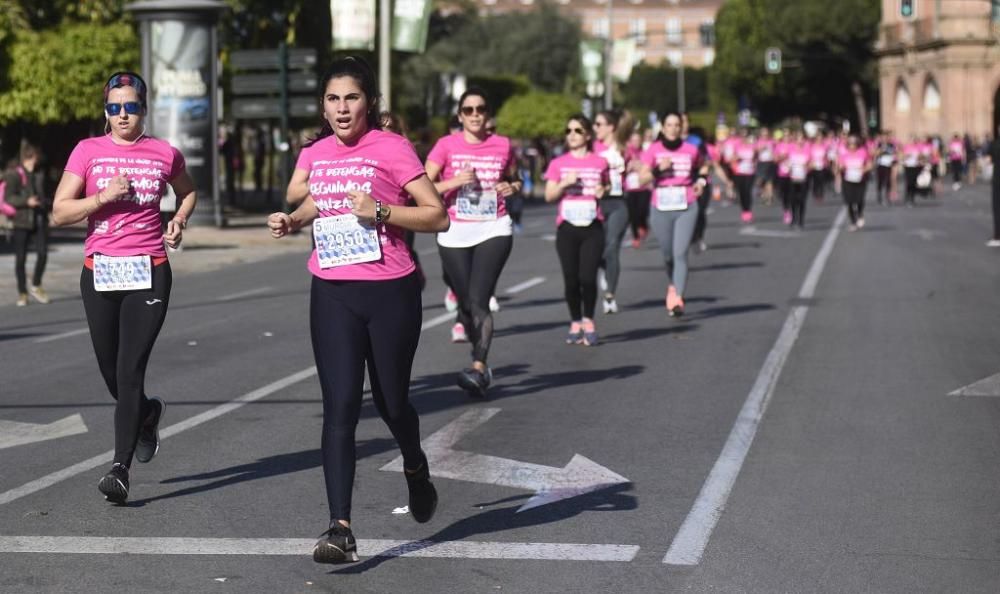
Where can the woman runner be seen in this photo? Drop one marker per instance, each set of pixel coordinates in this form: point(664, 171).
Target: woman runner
point(365, 305)
point(476, 172)
point(609, 127)
point(854, 163)
point(126, 278)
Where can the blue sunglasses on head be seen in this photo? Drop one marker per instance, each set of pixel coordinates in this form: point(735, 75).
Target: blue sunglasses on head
point(131, 108)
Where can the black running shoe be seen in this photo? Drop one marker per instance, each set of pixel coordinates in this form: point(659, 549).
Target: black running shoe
point(149, 433)
point(423, 495)
point(336, 545)
point(475, 382)
point(114, 485)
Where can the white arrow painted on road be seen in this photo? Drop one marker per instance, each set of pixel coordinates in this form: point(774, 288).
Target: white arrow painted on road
point(769, 233)
point(549, 483)
point(13, 433)
point(985, 387)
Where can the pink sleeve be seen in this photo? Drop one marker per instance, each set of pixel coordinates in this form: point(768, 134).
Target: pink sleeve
point(439, 154)
point(77, 163)
point(406, 166)
point(177, 164)
point(304, 161)
point(648, 158)
point(554, 171)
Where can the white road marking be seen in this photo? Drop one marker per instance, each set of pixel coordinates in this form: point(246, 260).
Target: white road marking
point(537, 551)
point(52, 337)
point(550, 484)
point(769, 233)
point(989, 386)
point(14, 434)
point(689, 544)
point(547, 237)
point(100, 459)
point(438, 320)
point(249, 293)
point(531, 282)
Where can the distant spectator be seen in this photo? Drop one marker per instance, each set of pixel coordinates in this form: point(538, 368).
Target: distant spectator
point(25, 191)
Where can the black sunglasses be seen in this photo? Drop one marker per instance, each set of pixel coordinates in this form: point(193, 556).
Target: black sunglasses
point(131, 108)
point(470, 109)
point(579, 131)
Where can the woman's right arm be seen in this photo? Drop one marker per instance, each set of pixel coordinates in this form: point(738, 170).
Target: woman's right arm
point(434, 171)
point(66, 208)
point(282, 224)
point(298, 187)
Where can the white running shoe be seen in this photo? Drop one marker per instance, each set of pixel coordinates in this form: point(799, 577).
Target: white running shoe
point(494, 304)
point(451, 301)
point(610, 306)
point(993, 243)
point(458, 333)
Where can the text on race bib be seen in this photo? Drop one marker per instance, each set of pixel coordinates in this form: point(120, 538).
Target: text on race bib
point(122, 273)
point(853, 174)
point(670, 198)
point(342, 240)
point(579, 213)
point(476, 205)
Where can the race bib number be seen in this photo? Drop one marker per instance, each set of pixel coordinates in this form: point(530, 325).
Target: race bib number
point(632, 181)
point(616, 183)
point(342, 240)
point(122, 273)
point(476, 206)
point(886, 160)
point(912, 161)
point(579, 213)
point(744, 167)
point(799, 172)
point(853, 174)
point(766, 155)
point(671, 198)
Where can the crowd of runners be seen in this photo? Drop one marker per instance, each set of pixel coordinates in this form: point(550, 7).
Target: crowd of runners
point(361, 188)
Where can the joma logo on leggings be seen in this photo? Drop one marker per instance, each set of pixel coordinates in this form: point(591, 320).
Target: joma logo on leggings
point(154, 301)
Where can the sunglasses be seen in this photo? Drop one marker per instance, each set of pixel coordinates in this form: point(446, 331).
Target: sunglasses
point(470, 109)
point(579, 131)
point(131, 108)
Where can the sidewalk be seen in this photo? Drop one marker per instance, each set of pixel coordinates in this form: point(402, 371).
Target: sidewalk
point(203, 249)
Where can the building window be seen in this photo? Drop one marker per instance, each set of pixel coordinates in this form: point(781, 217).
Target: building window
point(709, 57)
point(995, 13)
point(675, 35)
point(637, 29)
point(600, 28)
point(675, 57)
point(902, 98)
point(707, 33)
point(932, 97)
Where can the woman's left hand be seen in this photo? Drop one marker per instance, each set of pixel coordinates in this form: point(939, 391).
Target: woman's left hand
point(699, 187)
point(362, 206)
point(174, 234)
point(504, 189)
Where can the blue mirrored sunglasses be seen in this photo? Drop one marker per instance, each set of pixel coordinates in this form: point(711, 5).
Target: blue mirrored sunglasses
point(131, 108)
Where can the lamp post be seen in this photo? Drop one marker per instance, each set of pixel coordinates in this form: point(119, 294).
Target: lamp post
point(608, 51)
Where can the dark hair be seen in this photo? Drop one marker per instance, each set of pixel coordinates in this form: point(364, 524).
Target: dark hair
point(611, 116)
point(125, 78)
point(474, 92)
point(663, 121)
point(356, 68)
point(588, 127)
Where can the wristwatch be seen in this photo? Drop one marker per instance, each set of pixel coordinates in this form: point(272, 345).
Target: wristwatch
point(381, 212)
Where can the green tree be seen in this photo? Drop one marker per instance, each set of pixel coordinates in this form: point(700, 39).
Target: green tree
point(536, 114)
point(827, 52)
point(654, 88)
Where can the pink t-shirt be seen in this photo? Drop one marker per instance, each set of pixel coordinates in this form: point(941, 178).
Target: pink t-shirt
point(797, 161)
point(380, 164)
point(684, 164)
point(852, 163)
point(956, 150)
point(817, 154)
point(490, 159)
point(911, 154)
point(632, 153)
point(781, 155)
point(744, 156)
point(130, 226)
point(591, 171)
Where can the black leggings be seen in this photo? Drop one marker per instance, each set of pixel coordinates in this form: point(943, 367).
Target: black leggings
point(473, 273)
point(883, 182)
point(957, 167)
point(354, 323)
point(911, 174)
point(638, 211)
point(21, 239)
point(797, 202)
point(817, 181)
point(123, 328)
point(702, 223)
point(580, 250)
point(744, 188)
point(854, 198)
point(782, 185)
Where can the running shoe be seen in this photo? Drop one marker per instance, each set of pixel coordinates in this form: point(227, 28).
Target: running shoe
point(451, 301)
point(746, 216)
point(38, 294)
point(475, 382)
point(675, 305)
point(575, 335)
point(423, 495)
point(149, 434)
point(852, 227)
point(861, 223)
point(336, 545)
point(786, 218)
point(458, 333)
point(114, 485)
point(610, 305)
point(589, 333)
point(993, 243)
point(494, 304)
point(22, 299)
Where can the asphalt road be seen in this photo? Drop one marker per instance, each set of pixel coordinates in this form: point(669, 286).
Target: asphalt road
point(793, 432)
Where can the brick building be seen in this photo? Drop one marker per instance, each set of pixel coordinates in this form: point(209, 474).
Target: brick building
point(671, 31)
point(939, 68)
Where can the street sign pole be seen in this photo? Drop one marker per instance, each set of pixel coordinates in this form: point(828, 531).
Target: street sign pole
point(283, 85)
point(384, 55)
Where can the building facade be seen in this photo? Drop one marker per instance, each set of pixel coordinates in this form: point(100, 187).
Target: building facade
point(939, 67)
point(666, 31)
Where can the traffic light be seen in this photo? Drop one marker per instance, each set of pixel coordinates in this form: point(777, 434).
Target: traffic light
point(772, 60)
point(907, 8)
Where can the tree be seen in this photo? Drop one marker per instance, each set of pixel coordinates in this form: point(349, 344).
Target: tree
point(827, 49)
point(654, 88)
point(536, 114)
